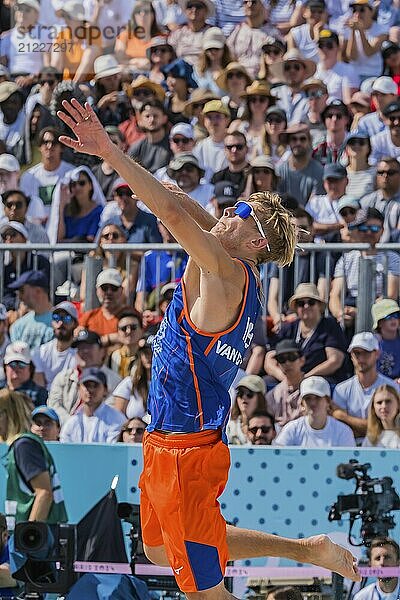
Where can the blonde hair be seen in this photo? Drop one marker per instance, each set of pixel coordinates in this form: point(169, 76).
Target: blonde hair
point(374, 424)
point(18, 408)
point(277, 223)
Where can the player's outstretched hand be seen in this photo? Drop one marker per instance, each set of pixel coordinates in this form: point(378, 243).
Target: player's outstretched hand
point(90, 134)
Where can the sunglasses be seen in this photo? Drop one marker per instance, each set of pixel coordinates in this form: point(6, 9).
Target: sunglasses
point(306, 302)
point(67, 319)
point(181, 140)
point(258, 99)
point(338, 116)
point(348, 212)
point(16, 205)
point(359, 9)
point(298, 138)
point(198, 105)
point(272, 51)
point(236, 146)
point(187, 169)
point(17, 364)
point(289, 357)
point(327, 45)
point(48, 81)
point(315, 94)
point(144, 93)
point(261, 171)
point(161, 50)
point(233, 74)
point(80, 182)
point(108, 287)
point(134, 430)
point(395, 315)
point(112, 235)
point(10, 234)
point(244, 210)
point(262, 428)
point(196, 5)
point(123, 193)
point(244, 393)
point(275, 120)
point(357, 142)
point(394, 118)
point(369, 228)
point(144, 11)
point(129, 327)
point(388, 173)
point(293, 67)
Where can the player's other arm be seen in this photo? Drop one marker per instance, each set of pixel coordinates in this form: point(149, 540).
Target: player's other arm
point(201, 245)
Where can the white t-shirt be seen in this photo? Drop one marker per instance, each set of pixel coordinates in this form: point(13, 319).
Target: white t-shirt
point(25, 51)
point(387, 439)
point(382, 145)
point(49, 361)
point(355, 399)
point(135, 403)
point(211, 155)
point(367, 66)
point(39, 182)
point(104, 426)
point(339, 78)
point(373, 592)
point(300, 433)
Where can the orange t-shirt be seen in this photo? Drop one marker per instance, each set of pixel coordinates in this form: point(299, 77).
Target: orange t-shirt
point(73, 49)
point(94, 320)
point(135, 47)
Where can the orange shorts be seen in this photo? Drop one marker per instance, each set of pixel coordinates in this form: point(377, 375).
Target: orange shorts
point(183, 476)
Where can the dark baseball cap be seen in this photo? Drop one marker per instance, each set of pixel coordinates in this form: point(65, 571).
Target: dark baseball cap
point(89, 337)
point(315, 4)
point(93, 374)
point(389, 48)
point(389, 109)
point(226, 192)
point(338, 104)
point(34, 278)
point(334, 171)
point(287, 346)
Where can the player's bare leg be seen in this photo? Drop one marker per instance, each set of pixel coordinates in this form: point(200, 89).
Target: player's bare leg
point(318, 550)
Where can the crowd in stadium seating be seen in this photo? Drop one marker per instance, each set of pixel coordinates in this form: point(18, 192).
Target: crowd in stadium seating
point(222, 98)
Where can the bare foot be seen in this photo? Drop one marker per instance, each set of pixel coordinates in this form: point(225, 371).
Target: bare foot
point(322, 552)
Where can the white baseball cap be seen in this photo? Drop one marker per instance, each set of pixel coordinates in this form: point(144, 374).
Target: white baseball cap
point(17, 351)
point(8, 162)
point(318, 386)
point(110, 276)
point(365, 340)
point(5, 225)
point(182, 129)
point(384, 85)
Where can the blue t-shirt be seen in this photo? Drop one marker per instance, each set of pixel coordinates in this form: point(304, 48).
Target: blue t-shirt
point(33, 329)
point(5, 558)
point(144, 230)
point(83, 226)
point(389, 358)
point(158, 267)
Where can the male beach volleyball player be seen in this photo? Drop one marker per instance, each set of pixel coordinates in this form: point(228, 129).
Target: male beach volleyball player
point(199, 346)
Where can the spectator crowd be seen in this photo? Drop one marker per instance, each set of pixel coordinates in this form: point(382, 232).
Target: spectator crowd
point(221, 99)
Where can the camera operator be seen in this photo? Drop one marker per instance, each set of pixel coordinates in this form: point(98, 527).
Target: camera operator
point(383, 552)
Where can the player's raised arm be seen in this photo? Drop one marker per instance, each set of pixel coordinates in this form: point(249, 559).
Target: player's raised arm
point(91, 138)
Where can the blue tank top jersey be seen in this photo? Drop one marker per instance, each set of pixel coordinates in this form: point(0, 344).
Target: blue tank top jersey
point(193, 370)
